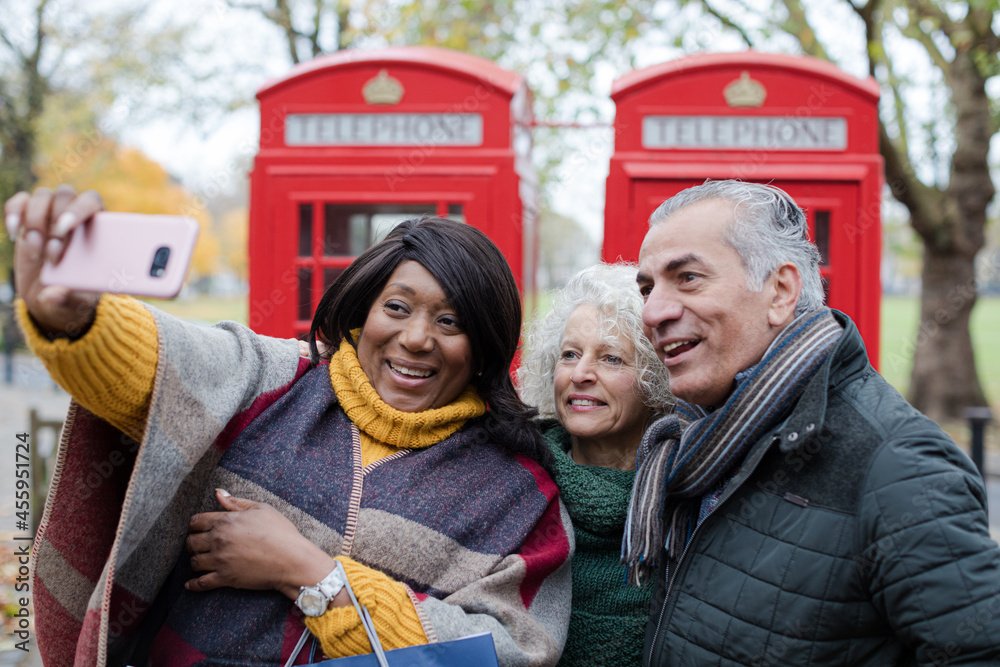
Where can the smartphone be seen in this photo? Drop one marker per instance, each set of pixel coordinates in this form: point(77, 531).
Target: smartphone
point(126, 253)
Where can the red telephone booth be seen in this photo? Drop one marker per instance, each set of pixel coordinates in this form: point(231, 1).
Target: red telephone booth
point(355, 142)
point(795, 122)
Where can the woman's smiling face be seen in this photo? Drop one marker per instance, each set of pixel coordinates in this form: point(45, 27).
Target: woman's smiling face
point(413, 347)
point(596, 391)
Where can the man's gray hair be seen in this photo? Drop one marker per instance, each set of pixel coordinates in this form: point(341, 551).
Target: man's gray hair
point(768, 230)
point(612, 290)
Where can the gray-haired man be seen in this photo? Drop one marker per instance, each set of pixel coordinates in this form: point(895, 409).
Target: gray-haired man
point(795, 510)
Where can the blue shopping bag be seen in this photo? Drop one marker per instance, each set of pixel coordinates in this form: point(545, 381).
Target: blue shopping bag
point(472, 651)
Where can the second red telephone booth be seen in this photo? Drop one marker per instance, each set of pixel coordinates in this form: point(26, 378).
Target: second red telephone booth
point(795, 122)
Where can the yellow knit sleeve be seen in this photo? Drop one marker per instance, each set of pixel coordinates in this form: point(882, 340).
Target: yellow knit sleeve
point(339, 630)
point(110, 369)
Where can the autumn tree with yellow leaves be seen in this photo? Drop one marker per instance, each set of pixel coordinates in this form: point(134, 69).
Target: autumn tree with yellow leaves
point(128, 181)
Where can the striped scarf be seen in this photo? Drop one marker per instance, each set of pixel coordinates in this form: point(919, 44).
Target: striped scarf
point(686, 454)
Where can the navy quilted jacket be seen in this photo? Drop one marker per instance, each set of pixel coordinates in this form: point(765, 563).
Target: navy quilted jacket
point(855, 533)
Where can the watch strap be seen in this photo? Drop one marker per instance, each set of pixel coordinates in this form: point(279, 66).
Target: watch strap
point(333, 582)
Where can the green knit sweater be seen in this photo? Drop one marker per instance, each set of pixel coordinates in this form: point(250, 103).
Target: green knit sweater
point(608, 618)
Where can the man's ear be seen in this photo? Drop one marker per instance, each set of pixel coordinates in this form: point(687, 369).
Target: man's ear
point(787, 286)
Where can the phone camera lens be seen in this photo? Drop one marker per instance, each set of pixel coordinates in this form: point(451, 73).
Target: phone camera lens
point(159, 266)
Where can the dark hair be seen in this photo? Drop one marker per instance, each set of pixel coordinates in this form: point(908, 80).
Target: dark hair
point(480, 287)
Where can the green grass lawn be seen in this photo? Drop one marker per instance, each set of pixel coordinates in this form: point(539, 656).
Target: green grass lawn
point(205, 308)
point(899, 326)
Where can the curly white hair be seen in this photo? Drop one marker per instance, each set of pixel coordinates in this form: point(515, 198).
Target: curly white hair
point(612, 290)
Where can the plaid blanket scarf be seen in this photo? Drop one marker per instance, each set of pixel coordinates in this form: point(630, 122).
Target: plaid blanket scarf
point(117, 513)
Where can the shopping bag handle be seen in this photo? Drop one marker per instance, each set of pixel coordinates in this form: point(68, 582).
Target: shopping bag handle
point(366, 623)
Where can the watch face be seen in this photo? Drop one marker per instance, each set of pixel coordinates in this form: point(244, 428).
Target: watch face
point(312, 603)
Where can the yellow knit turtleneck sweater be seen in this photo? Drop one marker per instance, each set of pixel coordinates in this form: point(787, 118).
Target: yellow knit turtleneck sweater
point(384, 429)
point(110, 370)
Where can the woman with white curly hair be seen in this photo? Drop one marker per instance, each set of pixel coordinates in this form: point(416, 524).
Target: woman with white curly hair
point(598, 384)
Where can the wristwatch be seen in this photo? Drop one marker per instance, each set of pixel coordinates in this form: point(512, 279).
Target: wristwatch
point(313, 600)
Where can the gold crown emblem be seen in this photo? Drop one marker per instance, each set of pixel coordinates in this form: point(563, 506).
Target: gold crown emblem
point(383, 89)
point(744, 92)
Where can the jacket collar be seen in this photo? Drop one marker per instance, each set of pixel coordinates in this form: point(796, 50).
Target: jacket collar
point(847, 359)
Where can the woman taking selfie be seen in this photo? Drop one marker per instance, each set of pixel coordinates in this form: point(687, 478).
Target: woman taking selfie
point(245, 474)
point(590, 367)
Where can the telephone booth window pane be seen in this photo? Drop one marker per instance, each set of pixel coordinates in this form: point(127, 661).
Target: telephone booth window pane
point(383, 223)
point(822, 227)
point(350, 229)
point(305, 230)
point(360, 235)
point(456, 213)
point(329, 276)
point(335, 231)
point(305, 294)
point(346, 232)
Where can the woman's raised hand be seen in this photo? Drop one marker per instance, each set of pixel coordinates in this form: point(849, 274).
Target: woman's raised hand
point(39, 224)
point(253, 546)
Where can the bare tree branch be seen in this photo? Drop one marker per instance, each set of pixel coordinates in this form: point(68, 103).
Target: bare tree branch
point(36, 84)
point(904, 184)
point(929, 10)
point(281, 15)
point(798, 26)
point(900, 176)
point(10, 45)
point(870, 16)
point(913, 31)
point(317, 19)
point(727, 22)
point(991, 43)
point(864, 11)
point(54, 65)
point(980, 21)
point(899, 110)
point(343, 13)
